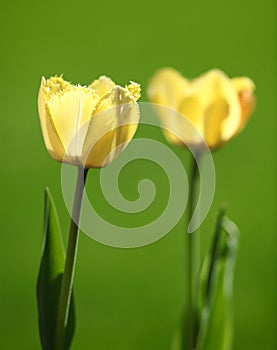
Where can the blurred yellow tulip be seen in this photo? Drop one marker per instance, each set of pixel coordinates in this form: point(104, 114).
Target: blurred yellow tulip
point(216, 106)
point(87, 126)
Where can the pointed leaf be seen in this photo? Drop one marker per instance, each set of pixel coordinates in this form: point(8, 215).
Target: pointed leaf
point(216, 327)
point(50, 277)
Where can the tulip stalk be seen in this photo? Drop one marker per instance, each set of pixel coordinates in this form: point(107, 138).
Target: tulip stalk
point(193, 263)
point(68, 276)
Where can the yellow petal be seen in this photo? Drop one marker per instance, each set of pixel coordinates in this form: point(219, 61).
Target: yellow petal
point(215, 115)
point(211, 104)
point(167, 88)
point(70, 110)
point(51, 138)
point(179, 127)
point(244, 88)
point(108, 129)
point(192, 109)
point(102, 85)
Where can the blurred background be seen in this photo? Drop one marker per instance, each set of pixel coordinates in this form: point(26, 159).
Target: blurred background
point(132, 299)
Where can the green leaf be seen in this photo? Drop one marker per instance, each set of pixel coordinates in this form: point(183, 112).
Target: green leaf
point(50, 278)
point(178, 341)
point(216, 326)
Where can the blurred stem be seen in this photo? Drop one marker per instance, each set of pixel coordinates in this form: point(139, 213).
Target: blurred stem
point(193, 254)
point(68, 276)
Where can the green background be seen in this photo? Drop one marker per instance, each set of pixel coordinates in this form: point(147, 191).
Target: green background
point(131, 299)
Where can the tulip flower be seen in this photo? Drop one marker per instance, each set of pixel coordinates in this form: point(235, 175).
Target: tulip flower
point(87, 126)
point(216, 106)
point(210, 109)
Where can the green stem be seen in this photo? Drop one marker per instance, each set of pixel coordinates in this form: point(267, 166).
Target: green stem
point(67, 281)
point(193, 246)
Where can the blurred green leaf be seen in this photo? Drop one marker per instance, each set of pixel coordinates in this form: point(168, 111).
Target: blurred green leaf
point(216, 326)
point(178, 341)
point(50, 278)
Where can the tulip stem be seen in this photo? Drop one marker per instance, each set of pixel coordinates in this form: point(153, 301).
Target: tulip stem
point(68, 276)
point(193, 264)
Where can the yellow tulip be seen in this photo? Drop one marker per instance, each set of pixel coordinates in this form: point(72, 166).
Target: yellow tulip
point(216, 106)
point(87, 126)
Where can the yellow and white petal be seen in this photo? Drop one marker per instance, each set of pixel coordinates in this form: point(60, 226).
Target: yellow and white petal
point(102, 85)
point(114, 122)
point(70, 111)
point(167, 87)
point(51, 139)
point(245, 88)
point(55, 85)
point(134, 90)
